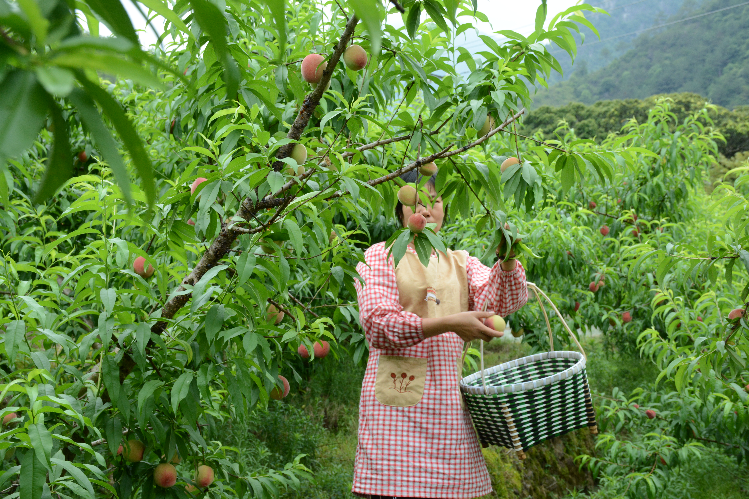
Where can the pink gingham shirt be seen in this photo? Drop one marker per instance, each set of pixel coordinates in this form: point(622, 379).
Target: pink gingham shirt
point(428, 450)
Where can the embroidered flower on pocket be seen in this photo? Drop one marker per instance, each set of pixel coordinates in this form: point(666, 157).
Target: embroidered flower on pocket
point(399, 387)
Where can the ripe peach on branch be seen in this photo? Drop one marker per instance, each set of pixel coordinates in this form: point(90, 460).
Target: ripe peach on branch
point(139, 267)
point(276, 393)
point(512, 160)
point(355, 57)
point(312, 68)
point(165, 475)
point(417, 223)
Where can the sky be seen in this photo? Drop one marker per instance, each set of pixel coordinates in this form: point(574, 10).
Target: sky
point(517, 15)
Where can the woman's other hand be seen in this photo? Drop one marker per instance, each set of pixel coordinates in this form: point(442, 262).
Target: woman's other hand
point(508, 265)
point(468, 325)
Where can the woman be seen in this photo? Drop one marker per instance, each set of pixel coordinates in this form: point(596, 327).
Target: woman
point(416, 438)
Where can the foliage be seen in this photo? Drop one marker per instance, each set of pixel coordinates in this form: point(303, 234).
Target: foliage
point(665, 62)
point(598, 120)
point(94, 354)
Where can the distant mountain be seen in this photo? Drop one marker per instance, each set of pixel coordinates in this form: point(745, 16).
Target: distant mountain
point(704, 51)
point(625, 19)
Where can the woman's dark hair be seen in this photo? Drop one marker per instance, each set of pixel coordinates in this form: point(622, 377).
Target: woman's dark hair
point(412, 177)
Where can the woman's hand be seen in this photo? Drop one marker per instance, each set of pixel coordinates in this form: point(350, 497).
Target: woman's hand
point(467, 325)
point(508, 264)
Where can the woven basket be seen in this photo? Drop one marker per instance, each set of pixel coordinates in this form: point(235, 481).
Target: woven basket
point(523, 402)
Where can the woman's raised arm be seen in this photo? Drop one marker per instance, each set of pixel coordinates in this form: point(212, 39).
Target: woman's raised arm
point(385, 323)
point(502, 291)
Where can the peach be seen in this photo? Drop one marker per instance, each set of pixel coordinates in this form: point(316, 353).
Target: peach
point(593, 287)
point(312, 68)
point(417, 223)
point(605, 230)
point(487, 127)
point(276, 394)
point(132, 451)
point(496, 323)
point(321, 349)
point(736, 313)
point(165, 475)
point(204, 478)
point(303, 352)
point(195, 184)
point(274, 315)
point(191, 222)
point(592, 205)
point(407, 195)
point(626, 317)
point(82, 156)
point(9, 417)
point(139, 267)
point(512, 160)
point(650, 413)
point(577, 306)
point(355, 57)
point(428, 169)
point(299, 154)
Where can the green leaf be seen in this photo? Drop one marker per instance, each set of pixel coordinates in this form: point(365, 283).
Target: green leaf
point(60, 161)
point(245, 265)
point(113, 13)
point(180, 389)
point(56, 81)
point(23, 109)
point(163, 9)
point(108, 63)
point(369, 12)
point(568, 176)
point(38, 23)
point(76, 473)
point(541, 16)
point(436, 240)
point(127, 133)
point(108, 299)
point(399, 248)
point(295, 235)
point(423, 249)
point(41, 441)
point(213, 22)
point(277, 9)
point(147, 391)
point(214, 320)
point(33, 476)
point(436, 13)
point(414, 19)
point(15, 335)
point(103, 139)
point(111, 376)
point(744, 255)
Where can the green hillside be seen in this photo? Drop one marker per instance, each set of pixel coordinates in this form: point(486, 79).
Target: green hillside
point(708, 55)
point(598, 120)
point(618, 29)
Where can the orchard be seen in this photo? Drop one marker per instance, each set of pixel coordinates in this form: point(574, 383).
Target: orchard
point(181, 223)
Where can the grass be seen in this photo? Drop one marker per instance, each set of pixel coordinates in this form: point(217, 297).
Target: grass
point(325, 418)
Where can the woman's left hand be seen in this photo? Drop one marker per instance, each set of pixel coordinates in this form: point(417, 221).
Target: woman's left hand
point(501, 251)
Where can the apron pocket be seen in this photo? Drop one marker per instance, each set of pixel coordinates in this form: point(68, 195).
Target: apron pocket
point(400, 380)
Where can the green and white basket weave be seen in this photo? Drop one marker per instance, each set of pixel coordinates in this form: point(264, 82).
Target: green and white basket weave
point(523, 402)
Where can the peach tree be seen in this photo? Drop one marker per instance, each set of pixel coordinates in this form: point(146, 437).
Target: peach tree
point(178, 221)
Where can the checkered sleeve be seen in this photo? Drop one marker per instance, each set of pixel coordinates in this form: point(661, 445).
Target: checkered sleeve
point(503, 292)
point(385, 323)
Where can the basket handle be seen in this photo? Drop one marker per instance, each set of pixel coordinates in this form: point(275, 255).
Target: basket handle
point(536, 292)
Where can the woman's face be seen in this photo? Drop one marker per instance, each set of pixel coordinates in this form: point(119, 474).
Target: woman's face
point(434, 212)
